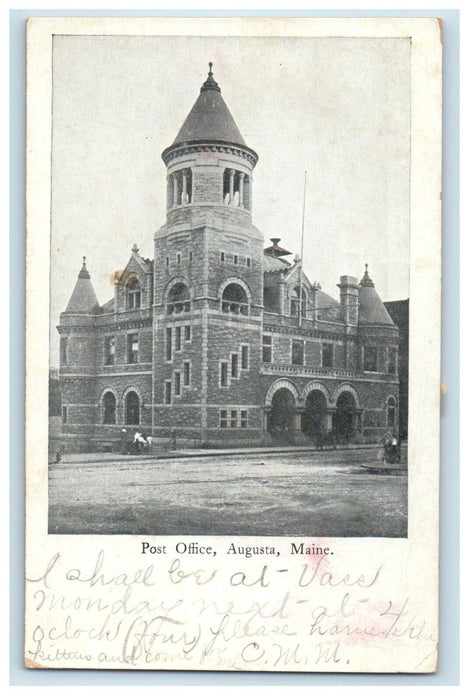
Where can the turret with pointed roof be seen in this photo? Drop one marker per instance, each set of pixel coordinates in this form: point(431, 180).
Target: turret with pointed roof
point(209, 121)
point(209, 118)
point(209, 161)
point(371, 310)
point(83, 299)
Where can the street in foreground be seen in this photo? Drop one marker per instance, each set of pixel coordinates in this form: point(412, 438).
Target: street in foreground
point(302, 494)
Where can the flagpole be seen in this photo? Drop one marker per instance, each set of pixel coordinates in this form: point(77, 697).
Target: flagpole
point(300, 268)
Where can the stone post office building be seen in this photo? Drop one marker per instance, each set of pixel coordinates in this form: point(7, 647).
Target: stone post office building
point(218, 337)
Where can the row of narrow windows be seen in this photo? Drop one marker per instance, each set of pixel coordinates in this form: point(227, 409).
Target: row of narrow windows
point(236, 259)
point(235, 193)
point(176, 336)
point(233, 418)
point(298, 352)
point(174, 339)
point(370, 355)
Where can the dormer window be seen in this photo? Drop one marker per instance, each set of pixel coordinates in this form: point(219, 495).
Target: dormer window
point(235, 300)
point(178, 299)
point(134, 295)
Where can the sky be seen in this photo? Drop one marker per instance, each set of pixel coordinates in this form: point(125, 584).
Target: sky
point(336, 108)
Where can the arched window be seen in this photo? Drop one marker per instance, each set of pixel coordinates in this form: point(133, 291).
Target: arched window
point(109, 405)
point(178, 299)
point(132, 409)
point(234, 300)
point(391, 412)
point(134, 295)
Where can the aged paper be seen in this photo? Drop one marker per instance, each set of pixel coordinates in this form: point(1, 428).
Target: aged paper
point(232, 464)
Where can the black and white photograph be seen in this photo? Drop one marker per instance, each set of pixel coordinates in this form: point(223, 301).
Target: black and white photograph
point(229, 286)
point(233, 344)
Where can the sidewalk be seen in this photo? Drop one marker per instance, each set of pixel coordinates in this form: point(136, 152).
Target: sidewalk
point(93, 457)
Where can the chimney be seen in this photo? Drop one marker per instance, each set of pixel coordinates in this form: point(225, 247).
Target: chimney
point(349, 299)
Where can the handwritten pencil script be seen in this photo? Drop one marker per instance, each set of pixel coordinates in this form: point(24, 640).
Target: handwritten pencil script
point(173, 616)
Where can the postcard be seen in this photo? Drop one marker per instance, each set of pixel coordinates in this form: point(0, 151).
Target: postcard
point(233, 337)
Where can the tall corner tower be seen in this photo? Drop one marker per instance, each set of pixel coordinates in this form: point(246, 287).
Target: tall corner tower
point(208, 284)
point(78, 355)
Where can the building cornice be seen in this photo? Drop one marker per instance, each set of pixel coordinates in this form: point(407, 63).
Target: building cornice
point(190, 147)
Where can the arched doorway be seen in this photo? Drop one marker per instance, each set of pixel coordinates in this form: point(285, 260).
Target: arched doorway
point(313, 422)
point(281, 414)
point(344, 419)
point(132, 409)
point(109, 406)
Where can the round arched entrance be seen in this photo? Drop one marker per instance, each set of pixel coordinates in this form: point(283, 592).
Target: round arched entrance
point(344, 420)
point(314, 417)
point(281, 414)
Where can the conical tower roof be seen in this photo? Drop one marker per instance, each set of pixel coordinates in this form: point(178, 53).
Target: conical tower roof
point(371, 310)
point(209, 119)
point(83, 299)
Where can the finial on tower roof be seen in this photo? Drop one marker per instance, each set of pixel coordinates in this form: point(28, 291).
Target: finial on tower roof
point(135, 248)
point(366, 279)
point(84, 272)
point(210, 83)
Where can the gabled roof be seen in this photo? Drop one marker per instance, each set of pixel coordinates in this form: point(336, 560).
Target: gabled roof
point(371, 310)
point(144, 264)
point(83, 299)
point(209, 118)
